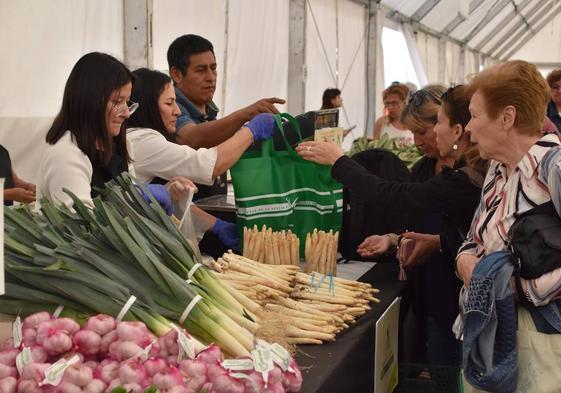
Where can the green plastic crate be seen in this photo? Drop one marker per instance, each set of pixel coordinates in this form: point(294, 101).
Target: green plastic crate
point(444, 379)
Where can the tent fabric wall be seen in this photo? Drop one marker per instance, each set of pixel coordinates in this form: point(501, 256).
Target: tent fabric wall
point(428, 50)
point(343, 64)
point(44, 42)
point(173, 18)
point(254, 33)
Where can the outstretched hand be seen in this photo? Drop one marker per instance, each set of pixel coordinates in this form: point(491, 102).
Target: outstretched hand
point(324, 153)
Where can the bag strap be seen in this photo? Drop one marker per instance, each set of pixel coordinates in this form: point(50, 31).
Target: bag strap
point(280, 126)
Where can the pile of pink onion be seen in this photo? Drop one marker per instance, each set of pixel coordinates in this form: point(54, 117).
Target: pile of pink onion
point(108, 358)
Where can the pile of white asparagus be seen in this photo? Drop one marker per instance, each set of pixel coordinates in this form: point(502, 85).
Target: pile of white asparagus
point(321, 252)
point(314, 307)
point(273, 248)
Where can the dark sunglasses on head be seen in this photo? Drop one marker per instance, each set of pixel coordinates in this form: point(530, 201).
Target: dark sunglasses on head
point(417, 98)
point(448, 91)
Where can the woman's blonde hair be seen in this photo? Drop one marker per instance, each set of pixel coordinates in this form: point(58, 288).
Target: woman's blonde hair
point(422, 107)
point(517, 83)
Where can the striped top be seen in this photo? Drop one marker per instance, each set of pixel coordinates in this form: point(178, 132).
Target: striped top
point(535, 180)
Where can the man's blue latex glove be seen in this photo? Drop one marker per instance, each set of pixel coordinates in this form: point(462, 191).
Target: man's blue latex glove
point(227, 233)
point(262, 126)
point(160, 194)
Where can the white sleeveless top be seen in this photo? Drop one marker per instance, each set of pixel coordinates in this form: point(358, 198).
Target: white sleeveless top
point(405, 137)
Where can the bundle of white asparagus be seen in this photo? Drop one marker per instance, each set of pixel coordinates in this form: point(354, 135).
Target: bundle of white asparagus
point(312, 307)
point(273, 248)
point(321, 252)
point(256, 280)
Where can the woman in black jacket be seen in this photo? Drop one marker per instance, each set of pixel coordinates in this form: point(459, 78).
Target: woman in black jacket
point(440, 202)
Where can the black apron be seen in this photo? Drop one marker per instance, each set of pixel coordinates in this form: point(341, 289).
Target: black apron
point(104, 173)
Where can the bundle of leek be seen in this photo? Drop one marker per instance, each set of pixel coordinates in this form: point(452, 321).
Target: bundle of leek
point(94, 260)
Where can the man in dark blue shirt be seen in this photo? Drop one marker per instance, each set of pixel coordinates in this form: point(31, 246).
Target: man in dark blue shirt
point(192, 66)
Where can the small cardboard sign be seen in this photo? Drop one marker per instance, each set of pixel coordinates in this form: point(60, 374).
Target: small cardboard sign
point(385, 352)
point(334, 135)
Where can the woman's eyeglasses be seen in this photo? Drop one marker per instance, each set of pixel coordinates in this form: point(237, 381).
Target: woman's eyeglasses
point(131, 106)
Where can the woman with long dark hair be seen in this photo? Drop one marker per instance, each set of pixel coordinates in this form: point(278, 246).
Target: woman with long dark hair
point(87, 142)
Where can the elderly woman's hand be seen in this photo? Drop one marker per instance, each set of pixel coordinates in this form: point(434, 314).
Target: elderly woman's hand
point(415, 248)
point(374, 246)
point(465, 265)
point(324, 153)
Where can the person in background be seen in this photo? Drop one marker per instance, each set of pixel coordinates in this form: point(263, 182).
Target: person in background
point(554, 106)
point(157, 159)
point(87, 141)
point(507, 114)
point(441, 200)
point(192, 66)
point(331, 99)
point(395, 97)
point(412, 87)
point(15, 189)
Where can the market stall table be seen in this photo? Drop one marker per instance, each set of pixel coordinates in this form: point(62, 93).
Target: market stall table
point(347, 365)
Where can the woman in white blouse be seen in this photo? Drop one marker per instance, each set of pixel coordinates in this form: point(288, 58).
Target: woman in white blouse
point(151, 131)
point(157, 159)
point(507, 110)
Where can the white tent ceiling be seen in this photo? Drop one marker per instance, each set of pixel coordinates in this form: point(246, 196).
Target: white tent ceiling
point(500, 28)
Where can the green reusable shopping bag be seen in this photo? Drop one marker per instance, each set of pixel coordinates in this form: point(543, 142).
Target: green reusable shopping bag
point(283, 191)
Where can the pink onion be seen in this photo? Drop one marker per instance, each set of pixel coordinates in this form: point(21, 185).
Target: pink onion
point(101, 324)
point(227, 384)
point(8, 344)
point(67, 387)
point(115, 383)
point(95, 386)
point(133, 388)
point(67, 325)
point(132, 372)
point(292, 381)
point(132, 331)
point(215, 370)
point(275, 375)
point(108, 339)
point(7, 371)
point(274, 388)
point(168, 342)
point(33, 320)
point(38, 354)
point(154, 365)
point(211, 354)
point(57, 343)
point(28, 386)
point(87, 342)
point(123, 350)
point(34, 371)
point(167, 378)
point(8, 385)
point(29, 337)
point(107, 371)
point(255, 383)
point(178, 389)
point(78, 375)
point(8, 357)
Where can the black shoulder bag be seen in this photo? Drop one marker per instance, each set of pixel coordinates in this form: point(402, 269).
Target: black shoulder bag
point(535, 241)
